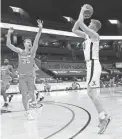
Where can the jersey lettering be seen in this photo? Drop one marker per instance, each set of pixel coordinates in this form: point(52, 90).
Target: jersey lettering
point(25, 60)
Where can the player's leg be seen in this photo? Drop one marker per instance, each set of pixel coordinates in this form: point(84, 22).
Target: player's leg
point(31, 88)
point(36, 92)
point(113, 87)
point(23, 90)
point(4, 97)
point(10, 98)
point(93, 86)
point(39, 97)
point(110, 87)
point(25, 97)
point(4, 87)
point(94, 94)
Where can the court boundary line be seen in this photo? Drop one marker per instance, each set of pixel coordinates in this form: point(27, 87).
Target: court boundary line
point(87, 123)
point(66, 125)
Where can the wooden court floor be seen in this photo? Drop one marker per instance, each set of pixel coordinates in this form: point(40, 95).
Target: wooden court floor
point(64, 115)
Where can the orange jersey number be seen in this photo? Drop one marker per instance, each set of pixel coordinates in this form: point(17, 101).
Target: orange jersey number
point(25, 60)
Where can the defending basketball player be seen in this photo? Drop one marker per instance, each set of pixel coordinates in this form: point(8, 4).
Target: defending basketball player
point(91, 54)
point(25, 68)
point(7, 72)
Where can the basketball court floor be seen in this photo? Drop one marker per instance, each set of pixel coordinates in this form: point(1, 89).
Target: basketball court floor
point(64, 115)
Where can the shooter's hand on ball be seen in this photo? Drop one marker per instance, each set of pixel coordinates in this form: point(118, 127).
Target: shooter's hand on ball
point(86, 11)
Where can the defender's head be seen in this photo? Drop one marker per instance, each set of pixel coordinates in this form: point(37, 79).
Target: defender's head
point(27, 43)
point(6, 61)
point(95, 25)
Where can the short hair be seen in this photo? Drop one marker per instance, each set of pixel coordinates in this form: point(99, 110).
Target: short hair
point(97, 23)
point(27, 39)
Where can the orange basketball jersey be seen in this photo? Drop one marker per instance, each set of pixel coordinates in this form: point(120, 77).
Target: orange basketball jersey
point(26, 62)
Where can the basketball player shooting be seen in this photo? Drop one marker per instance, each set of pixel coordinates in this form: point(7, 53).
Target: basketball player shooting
point(91, 54)
point(26, 67)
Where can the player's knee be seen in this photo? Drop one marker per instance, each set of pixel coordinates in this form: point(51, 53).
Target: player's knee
point(25, 96)
point(90, 94)
point(24, 93)
point(95, 96)
point(89, 91)
point(93, 93)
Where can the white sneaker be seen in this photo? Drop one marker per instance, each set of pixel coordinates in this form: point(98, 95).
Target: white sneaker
point(104, 123)
point(29, 115)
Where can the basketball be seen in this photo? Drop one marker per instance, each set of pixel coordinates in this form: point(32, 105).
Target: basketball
point(88, 12)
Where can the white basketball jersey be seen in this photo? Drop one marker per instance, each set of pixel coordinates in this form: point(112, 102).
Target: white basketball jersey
point(91, 49)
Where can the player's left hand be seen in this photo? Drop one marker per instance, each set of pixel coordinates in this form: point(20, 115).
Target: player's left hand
point(83, 9)
point(40, 23)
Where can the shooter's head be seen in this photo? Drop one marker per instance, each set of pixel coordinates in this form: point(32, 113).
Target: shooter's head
point(95, 25)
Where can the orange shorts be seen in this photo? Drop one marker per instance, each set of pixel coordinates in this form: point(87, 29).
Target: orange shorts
point(26, 83)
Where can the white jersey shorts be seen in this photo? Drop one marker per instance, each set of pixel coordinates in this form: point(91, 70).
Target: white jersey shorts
point(93, 73)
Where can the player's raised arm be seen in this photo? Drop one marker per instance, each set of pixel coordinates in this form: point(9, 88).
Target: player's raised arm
point(36, 41)
point(76, 30)
point(9, 44)
point(86, 29)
